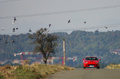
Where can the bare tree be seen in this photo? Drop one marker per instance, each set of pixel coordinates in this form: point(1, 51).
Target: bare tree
point(44, 43)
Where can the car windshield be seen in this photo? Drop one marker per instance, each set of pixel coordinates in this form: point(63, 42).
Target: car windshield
point(91, 58)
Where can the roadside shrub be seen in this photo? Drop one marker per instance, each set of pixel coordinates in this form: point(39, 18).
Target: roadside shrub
point(2, 76)
point(7, 67)
point(113, 66)
point(34, 71)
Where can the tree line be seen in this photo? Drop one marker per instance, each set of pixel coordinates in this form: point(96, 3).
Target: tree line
point(78, 43)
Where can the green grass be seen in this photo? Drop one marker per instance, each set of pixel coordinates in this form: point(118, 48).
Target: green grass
point(34, 71)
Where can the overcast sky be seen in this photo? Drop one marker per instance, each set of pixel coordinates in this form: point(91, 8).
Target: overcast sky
point(36, 14)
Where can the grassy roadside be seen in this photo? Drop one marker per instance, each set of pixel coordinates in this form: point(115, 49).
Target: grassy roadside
point(34, 71)
point(113, 66)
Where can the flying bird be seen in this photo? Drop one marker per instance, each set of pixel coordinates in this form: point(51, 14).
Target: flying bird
point(14, 20)
point(68, 21)
point(84, 22)
point(13, 29)
point(2, 29)
point(13, 41)
point(6, 42)
point(30, 30)
point(16, 28)
point(49, 25)
point(106, 27)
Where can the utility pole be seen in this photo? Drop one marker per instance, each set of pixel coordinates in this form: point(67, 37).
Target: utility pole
point(63, 52)
point(21, 58)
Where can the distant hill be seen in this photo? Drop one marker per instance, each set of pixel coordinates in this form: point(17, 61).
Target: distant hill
point(78, 43)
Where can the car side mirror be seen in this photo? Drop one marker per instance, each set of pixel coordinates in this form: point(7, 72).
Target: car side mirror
point(83, 59)
point(99, 59)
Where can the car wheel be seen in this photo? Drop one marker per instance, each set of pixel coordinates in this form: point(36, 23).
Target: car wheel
point(98, 67)
point(84, 67)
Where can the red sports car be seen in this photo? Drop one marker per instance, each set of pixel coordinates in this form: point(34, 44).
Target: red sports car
point(91, 62)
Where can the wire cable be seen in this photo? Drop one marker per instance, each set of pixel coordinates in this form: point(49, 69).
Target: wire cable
point(63, 12)
point(89, 28)
point(3, 1)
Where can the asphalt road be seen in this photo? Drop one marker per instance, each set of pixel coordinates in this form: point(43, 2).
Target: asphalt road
point(89, 73)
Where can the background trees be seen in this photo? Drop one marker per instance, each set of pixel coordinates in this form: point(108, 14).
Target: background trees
point(78, 43)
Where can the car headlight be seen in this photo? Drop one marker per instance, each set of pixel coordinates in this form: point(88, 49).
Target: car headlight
point(86, 62)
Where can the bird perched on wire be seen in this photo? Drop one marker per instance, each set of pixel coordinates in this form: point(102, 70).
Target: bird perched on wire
point(14, 20)
point(68, 21)
point(106, 27)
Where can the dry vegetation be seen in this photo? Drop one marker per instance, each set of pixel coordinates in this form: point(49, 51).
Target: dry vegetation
point(113, 66)
point(34, 71)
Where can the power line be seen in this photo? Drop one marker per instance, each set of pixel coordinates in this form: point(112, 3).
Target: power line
point(88, 28)
point(63, 12)
point(3, 1)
